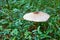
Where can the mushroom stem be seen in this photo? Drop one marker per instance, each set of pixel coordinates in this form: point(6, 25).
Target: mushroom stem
point(36, 23)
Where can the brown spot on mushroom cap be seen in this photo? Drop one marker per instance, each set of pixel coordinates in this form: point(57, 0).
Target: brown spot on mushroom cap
point(36, 12)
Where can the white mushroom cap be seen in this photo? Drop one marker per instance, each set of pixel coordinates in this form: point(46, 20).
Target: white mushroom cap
point(36, 16)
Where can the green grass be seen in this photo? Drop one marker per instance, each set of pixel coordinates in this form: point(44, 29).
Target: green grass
point(14, 27)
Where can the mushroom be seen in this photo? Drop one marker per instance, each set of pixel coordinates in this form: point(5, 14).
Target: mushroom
point(36, 16)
